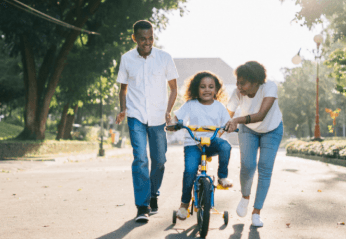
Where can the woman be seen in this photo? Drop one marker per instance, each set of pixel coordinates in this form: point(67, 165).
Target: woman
point(260, 126)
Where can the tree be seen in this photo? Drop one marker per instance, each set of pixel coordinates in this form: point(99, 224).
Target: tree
point(316, 11)
point(44, 46)
point(297, 99)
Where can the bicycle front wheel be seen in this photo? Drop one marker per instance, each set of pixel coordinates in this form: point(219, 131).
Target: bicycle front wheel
point(204, 205)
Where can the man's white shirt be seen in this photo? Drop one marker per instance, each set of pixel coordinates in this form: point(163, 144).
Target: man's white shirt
point(146, 98)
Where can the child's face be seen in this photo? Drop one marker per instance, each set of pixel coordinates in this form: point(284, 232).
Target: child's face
point(206, 91)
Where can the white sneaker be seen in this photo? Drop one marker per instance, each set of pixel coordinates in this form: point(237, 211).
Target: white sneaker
point(256, 220)
point(242, 207)
point(182, 213)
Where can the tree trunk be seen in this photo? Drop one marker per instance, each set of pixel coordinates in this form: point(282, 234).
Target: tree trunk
point(37, 97)
point(30, 85)
point(62, 124)
point(69, 123)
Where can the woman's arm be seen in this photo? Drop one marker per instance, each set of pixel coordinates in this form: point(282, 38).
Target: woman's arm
point(267, 103)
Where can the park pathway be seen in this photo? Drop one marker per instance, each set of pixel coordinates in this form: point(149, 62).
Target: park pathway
point(93, 198)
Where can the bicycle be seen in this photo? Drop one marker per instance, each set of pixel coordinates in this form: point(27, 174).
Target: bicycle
point(203, 190)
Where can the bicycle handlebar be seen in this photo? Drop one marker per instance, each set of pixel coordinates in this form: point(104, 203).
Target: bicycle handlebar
point(191, 128)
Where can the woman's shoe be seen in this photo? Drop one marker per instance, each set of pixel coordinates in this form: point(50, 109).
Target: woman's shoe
point(256, 220)
point(225, 182)
point(242, 207)
point(182, 211)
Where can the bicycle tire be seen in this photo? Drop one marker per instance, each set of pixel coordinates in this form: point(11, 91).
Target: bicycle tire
point(204, 203)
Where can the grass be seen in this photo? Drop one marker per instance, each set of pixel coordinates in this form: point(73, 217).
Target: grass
point(8, 131)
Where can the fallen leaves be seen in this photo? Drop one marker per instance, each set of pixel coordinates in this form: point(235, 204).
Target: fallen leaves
point(79, 189)
point(288, 225)
point(341, 223)
point(319, 190)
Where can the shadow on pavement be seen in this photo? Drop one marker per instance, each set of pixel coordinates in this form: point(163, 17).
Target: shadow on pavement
point(238, 229)
point(183, 234)
point(254, 234)
point(122, 231)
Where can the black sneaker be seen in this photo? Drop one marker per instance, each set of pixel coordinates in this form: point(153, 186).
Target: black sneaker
point(142, 214)
point(153, 206)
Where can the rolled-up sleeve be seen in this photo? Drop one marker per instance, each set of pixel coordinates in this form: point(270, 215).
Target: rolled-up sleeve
point(234, 101)
point(122, 74)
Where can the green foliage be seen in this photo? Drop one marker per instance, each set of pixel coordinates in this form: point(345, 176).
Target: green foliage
point(8, 131)
point(337, 61)
point(326, 148)
point(316, 11)
point(297, 99)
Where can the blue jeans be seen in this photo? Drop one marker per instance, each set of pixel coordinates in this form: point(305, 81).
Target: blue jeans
point(193, 155)
point(147, 185)
point(249, 142)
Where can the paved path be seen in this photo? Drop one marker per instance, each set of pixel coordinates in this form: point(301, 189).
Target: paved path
point(94, 199)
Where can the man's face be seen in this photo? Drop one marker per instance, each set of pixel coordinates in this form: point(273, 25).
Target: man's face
point(144, 39)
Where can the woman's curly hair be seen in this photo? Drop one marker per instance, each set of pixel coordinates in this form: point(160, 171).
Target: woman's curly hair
point(192, 87)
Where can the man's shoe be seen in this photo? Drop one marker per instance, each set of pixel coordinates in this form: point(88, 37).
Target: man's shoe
point(142, 214)
point(153, 206)
point(242, 207)
point(256, 220)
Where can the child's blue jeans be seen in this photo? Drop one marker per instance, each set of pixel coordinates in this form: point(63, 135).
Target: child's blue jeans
point(147, 185)
point(249, 143)
point(193, 154)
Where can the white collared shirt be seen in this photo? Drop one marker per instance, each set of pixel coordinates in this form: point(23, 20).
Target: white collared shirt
point(146, 98)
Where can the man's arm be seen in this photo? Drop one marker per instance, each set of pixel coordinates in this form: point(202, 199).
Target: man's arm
point(171, 100)
point(122, 99)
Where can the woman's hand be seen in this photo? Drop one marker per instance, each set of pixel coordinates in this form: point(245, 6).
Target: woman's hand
point(231, 126)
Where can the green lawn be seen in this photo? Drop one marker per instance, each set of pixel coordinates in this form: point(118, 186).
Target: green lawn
point(10, 131)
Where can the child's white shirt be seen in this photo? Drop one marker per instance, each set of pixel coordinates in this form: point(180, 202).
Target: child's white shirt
point(195, 113)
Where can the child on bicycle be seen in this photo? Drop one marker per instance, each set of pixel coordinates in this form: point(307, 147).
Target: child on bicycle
point(203, 107)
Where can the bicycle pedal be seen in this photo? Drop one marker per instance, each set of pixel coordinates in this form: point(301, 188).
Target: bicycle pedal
point(220, 187)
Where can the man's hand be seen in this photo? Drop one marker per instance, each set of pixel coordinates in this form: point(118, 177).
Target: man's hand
point(120, 117)
point(231, 126)
point(168, 118)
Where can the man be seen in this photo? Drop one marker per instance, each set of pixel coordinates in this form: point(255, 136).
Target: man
point(143, 74)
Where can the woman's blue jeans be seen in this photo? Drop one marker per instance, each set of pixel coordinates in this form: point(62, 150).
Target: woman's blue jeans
point(193, 155)
point(147, 185)
point(249, 143)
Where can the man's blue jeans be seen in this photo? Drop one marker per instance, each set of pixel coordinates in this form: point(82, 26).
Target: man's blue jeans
point(193, 155)
point(249, 142)
point(147, 185)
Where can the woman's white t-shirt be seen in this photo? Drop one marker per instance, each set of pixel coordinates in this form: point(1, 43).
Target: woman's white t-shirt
point(250, 106)
point(195, 113)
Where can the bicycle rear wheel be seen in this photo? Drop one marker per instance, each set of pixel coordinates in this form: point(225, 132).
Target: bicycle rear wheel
point(204, 204)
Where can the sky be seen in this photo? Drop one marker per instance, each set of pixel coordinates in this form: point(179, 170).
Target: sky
point(238, 31)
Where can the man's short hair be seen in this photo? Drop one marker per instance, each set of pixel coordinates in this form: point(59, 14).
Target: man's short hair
point(141, 24)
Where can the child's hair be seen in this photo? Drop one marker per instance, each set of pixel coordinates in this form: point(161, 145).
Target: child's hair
point(192, 87)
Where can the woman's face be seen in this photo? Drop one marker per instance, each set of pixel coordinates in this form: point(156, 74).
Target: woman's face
point(206, 90)
point(245, 87)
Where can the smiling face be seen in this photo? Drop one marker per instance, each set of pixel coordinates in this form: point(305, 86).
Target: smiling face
point(145, 40)
point(206, 91)
point(245, 87)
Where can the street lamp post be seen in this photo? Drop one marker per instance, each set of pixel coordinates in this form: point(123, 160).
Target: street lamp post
point(101, 151)
point(296, 60)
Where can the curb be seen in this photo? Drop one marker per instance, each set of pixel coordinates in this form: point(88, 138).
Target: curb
point(336, 161)
point(74, 157)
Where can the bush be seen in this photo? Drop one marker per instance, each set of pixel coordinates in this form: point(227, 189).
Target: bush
point(328, 148)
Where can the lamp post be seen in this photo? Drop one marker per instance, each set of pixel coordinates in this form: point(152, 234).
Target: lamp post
point(296, 60)
point(101, 151)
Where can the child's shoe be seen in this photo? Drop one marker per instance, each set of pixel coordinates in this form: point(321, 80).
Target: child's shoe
point(182, 211)
point(225, 182)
